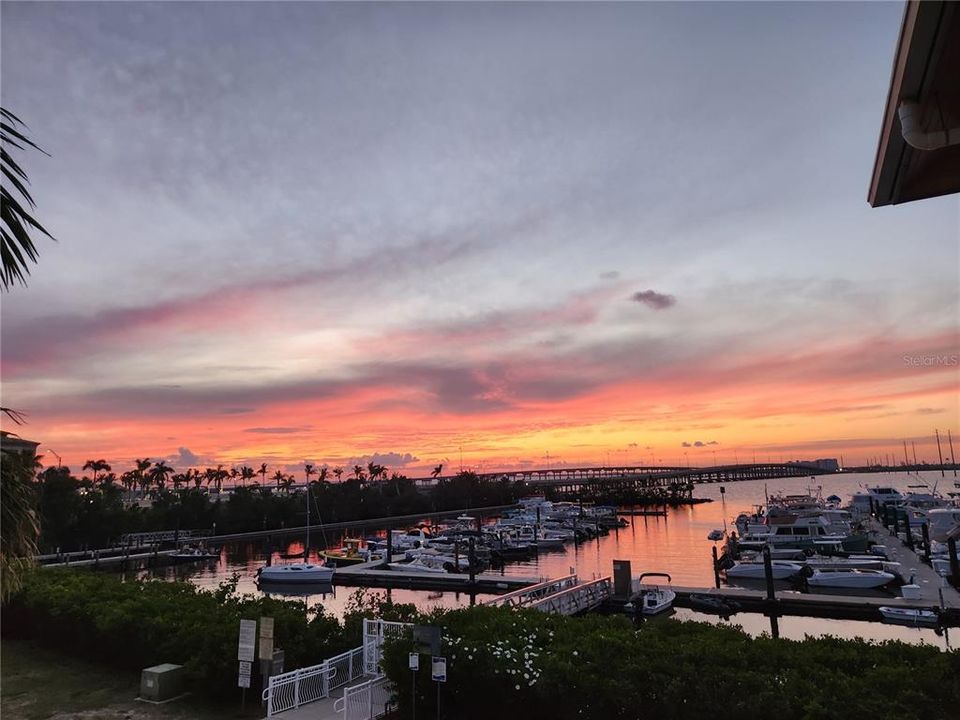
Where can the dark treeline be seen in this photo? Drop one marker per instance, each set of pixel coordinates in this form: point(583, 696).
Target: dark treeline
point(95, 511)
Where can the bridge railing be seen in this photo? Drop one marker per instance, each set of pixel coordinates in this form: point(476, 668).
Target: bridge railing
point(579, 598)
point(525, 596)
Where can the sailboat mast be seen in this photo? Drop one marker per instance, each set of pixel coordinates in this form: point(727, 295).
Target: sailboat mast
point(906, 460)
point(940, 453)
point(953, 458)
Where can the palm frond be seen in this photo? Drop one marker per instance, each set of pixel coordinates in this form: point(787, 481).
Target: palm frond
point(17, 249)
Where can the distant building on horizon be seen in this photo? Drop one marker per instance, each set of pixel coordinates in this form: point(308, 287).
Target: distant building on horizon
point(825, 464)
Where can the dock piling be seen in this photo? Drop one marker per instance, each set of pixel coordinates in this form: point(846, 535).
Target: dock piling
point(954, 563)
point(768, 573)
point(716, 567)
point(925, 532)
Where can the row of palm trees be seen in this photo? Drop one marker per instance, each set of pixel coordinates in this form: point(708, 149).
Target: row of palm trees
point(154, 476)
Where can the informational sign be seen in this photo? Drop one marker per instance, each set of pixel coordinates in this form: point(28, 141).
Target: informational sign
point(439, 669)
point(266, 638)
point(426, 638)
point(414, 661)
point(248, 641)
point(243, 675)
point(277, 663)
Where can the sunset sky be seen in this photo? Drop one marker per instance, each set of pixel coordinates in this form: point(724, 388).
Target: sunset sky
point(545, 234)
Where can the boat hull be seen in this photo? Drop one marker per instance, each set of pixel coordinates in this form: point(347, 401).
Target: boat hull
point(297, 574)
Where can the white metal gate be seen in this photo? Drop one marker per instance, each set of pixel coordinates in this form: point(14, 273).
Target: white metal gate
point(306, 685)
point(365, 701)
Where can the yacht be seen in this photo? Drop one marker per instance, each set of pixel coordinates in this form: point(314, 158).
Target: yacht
point(941, 521)
point(781, 570)
point(805, 530)
point(848, 578)
point(881, 495)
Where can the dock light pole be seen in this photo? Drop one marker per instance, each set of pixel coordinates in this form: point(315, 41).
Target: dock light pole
point(59, 461)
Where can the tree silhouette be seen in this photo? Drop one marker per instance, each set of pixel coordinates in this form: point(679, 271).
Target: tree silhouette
point(16, 221)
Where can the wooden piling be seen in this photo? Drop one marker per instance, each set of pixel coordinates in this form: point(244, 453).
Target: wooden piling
point(925, 531)
point(716, 567)
point(954, 564)
point(768, 573)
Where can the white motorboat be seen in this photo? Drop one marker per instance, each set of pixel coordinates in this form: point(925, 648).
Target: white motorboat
point(652, 599)
point(296, 573)
point(715, 535)
point(909, 616)
point(417, 565)
point(848, 578)
point(781, 570)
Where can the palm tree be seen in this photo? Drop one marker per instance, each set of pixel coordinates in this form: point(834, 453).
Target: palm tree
point(98, 466)
point(160, 473)
point(246, 473)
point(337, 472)
point(263, 472)
point(16, 245)
point(19, 525)
point(279, 477)
point(139, 472)
point(308, 471)
point(358, 471)
point(436, 471)
point(324, 474)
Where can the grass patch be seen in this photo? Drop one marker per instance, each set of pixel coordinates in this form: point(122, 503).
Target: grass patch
point(37, 684)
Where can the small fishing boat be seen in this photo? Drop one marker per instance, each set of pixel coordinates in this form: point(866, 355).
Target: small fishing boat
point(715, 535)
point(194, 554)
point(909, 616)
point(653, 598)
point(848, 578)
point(780, 569)
point(714, 605)
point(352, 553)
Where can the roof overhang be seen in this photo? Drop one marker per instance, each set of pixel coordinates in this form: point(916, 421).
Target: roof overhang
point(926, 69)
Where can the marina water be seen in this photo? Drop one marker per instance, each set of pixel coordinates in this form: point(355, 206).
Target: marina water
point(676, 544)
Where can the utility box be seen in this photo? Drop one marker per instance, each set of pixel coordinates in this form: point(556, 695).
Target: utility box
point(161, 682)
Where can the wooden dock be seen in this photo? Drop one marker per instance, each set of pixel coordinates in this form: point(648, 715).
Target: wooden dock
point(94, 559)
point(934, 592)
point(375, 574)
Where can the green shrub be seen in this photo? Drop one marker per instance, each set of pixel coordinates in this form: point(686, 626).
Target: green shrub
point(138, 624)
point(502, 661)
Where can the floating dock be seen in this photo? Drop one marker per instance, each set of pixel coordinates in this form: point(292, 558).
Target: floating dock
point(375, 574)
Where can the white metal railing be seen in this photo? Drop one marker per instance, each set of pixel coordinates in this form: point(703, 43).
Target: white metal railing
point(306, 685)
point(365, 701)
point(576, 599)
point(527, 596)
point(374, 633)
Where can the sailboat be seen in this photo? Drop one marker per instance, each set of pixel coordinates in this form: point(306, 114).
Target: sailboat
point(297, 573)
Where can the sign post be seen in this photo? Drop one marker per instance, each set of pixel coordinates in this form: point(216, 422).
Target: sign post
point(414, 663)
point(246, 647)
point(439, 674)
point(265, 652)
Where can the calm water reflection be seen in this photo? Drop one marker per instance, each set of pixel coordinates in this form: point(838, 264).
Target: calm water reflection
point(676, 544)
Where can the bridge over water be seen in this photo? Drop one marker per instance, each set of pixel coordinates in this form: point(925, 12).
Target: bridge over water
point(641, 478)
